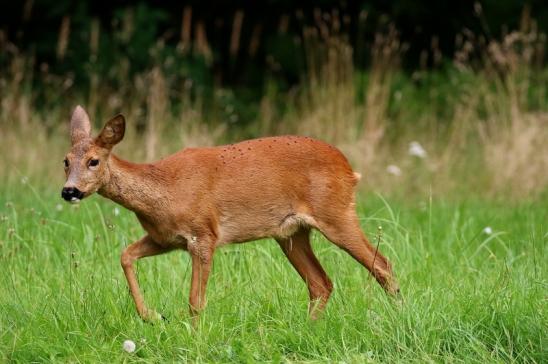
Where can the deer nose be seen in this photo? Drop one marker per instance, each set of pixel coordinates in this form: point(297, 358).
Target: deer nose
point(71, 194)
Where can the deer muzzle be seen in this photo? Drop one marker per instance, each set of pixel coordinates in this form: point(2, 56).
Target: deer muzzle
point(72, 194)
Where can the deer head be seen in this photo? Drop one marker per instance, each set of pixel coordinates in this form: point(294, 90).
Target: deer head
point(87, 162)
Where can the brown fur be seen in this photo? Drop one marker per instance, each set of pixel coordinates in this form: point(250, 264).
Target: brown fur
point(200, 198)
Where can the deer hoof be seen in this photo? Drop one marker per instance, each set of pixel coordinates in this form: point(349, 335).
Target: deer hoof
point(397, 298)
point(152, 316)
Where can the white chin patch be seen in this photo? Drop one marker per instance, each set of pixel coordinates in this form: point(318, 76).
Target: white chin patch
point(74, 200)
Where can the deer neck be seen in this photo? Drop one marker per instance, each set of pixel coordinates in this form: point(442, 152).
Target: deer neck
point(134, 186)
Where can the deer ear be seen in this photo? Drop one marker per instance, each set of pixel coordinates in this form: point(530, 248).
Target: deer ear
point(112, 132)
point(80, 126)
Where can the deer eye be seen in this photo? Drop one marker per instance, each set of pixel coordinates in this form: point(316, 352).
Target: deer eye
point(93, 162)
point(66, 163)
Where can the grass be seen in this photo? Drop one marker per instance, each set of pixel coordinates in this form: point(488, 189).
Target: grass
point(469, 296)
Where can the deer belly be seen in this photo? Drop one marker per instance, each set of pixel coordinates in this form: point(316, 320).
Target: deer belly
point(257, 227)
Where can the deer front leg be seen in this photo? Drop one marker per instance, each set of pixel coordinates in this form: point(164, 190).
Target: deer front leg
point(145, 247)
point(201, 251)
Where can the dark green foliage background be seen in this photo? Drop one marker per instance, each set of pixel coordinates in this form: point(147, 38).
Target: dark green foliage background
point(418, 22)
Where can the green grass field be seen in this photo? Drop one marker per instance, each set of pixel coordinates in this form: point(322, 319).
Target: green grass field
point(469, 296)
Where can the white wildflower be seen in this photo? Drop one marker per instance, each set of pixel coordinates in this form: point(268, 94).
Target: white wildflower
point(487, 230)
point(116, 211)
point(393, 170)
point(129, 346)
point(416, 150)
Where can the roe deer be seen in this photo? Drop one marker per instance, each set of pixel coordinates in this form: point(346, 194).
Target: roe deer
point(201, 198)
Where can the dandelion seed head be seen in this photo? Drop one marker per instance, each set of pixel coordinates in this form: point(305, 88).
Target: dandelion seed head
point(128, 346)
point(416, 150)
point(393, 170)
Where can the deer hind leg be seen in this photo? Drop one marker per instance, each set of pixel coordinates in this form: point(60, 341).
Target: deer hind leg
point(345, 232)
point(145, 247)
point(299, 252)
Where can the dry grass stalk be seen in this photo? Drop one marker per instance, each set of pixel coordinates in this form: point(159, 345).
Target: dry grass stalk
point(27, 10)
point(202, 46)
point(514, 138)
point(95, 30)
point(63, 40)
point(283, 24)
point(385, 59)
point(93, 99)
point(255, 40)
point(157, 106)
point(186, 27)
point(236, 33)
point(329, 106)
